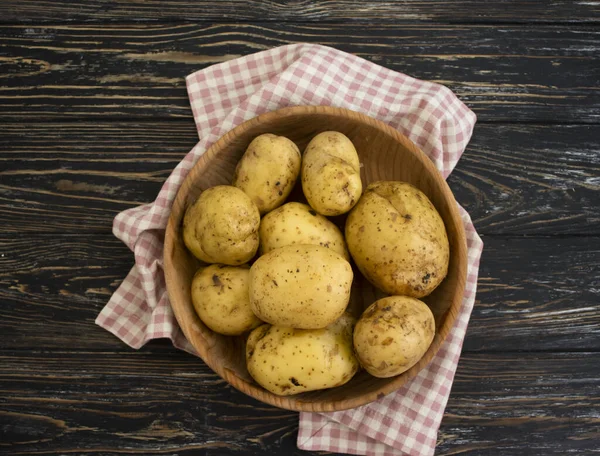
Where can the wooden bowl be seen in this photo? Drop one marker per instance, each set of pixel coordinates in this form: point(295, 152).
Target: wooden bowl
point(386, 155)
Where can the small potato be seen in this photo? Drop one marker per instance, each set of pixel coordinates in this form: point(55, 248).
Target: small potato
point(222, 226)
point(268, 171)
point(297, 223)
point(300, 286)
point(393, 334)
point(220, 298)
point(398, 239)
point(288, 361)
point(331, 174)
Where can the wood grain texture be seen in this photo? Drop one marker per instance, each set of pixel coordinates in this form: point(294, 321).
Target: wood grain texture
point(505, 73)
point(513, 179)
point(533, 293)
point(171, 403)
point(548, 297)
point(76, 177)
point(497, 11)
point(530, 404)
point(68, 387)
point(531, 179)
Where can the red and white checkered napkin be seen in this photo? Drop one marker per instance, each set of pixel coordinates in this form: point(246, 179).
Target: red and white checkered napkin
point(225, 95)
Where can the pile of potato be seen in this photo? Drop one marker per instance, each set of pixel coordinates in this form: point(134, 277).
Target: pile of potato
point(292, 297)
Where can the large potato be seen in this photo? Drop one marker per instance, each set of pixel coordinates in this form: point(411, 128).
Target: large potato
point(287, 361)
point(300, 286)
point(297, 223)
point(220, 298)
point(331, 174)
point(398, 239)
point(268, 171)
point(393, 334)
point(222, 226)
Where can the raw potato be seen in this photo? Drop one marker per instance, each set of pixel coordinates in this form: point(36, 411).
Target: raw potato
point(222, 226)
point(300, 286)
point(393, 334)
point(220, 298)
point(398, 239)
point(268, 171)
point(288, 361)
point(331, 174)
point(297, 223)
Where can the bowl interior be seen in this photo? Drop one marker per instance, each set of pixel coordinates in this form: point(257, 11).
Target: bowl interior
point(385, 155)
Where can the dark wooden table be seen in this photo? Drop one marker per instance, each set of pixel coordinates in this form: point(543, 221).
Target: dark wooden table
point(94, 116)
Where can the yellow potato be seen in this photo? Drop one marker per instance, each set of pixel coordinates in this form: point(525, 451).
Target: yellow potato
point(393, 334)
point(300, 286)
point(220, 298)
point(398, 239)
point(331, 174)
point(297, 223)
point(288, 361)
point(222, 226)
point(268, 171)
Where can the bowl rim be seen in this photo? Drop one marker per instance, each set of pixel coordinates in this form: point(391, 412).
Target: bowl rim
point(296, 403)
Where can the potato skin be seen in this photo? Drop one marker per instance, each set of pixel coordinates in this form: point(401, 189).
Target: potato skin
point(288, 361)
point(331, 174)
point(220, 298)
point(297, 223)
point(268, 171)
point(300, 286)
point(398, 240)
point(393, 334)
point(222, 226)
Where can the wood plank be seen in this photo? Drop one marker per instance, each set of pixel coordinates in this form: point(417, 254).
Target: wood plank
point(144, 403)
point(513, 179)
point(78, 176)
point(505, 73)
point(531, 179)
point(167, 403)
point(530, 404)
point(537, 294)
point(471, 11)
point(534, 293)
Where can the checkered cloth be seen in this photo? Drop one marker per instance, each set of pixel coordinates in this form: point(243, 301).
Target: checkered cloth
point(225, 95)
